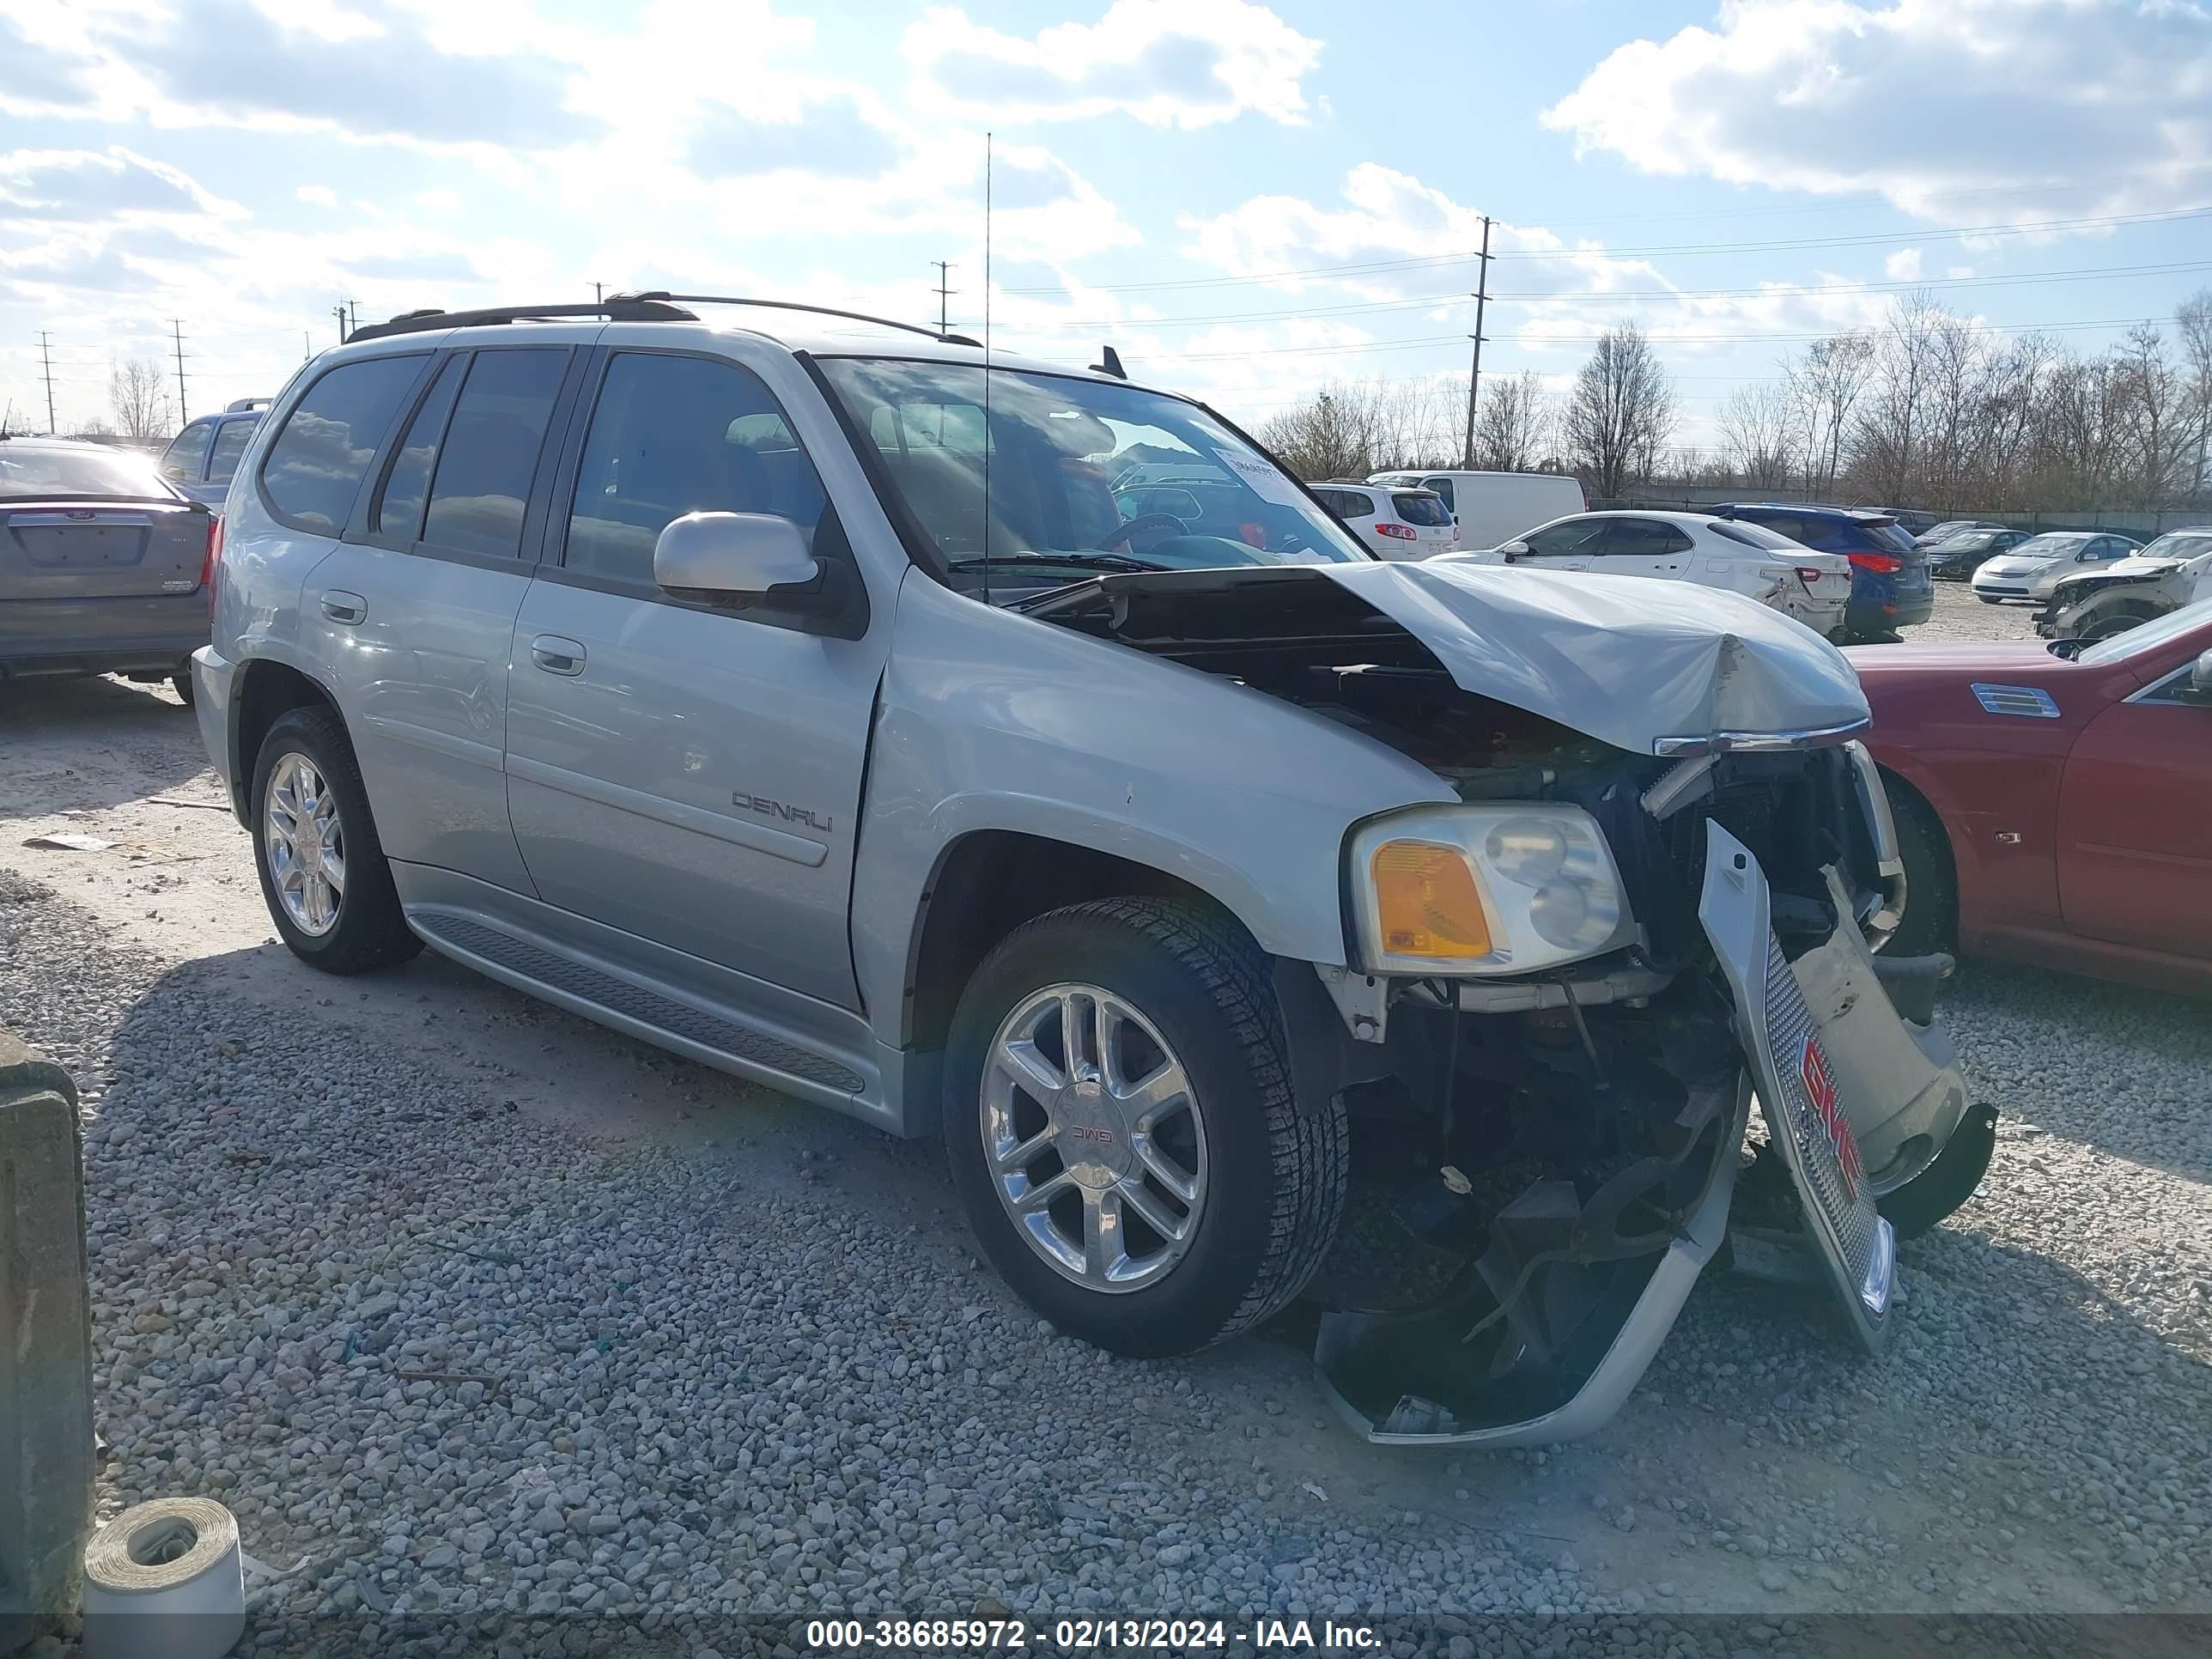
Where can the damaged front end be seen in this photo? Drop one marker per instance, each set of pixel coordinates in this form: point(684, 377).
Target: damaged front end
point(1549, 1146)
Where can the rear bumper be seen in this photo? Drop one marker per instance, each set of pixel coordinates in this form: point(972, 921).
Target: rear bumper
point(154, 634)
point(213, 679)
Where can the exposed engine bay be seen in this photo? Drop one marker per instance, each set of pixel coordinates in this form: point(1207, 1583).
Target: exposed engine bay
point(1543, 1163)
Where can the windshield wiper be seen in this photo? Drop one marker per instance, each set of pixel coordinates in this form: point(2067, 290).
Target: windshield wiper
point(1111, 562)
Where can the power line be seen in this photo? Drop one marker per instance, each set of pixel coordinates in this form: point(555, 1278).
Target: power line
point(1431, 261)
point(1627, 298)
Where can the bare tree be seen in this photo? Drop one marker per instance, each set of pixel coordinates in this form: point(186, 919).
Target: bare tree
point(1347, 429)
point(1758, 436)
point(1513, 427)
point(136, 392)
point(2193, 322)
point(1824, 390)
point(1621, 412)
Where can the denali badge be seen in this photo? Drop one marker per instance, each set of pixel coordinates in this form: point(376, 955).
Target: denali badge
point(777, 809)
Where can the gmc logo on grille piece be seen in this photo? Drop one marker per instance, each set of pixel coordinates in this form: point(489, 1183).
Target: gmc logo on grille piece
point(1820, 1090)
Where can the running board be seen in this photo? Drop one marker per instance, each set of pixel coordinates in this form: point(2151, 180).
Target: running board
point(636, 1006)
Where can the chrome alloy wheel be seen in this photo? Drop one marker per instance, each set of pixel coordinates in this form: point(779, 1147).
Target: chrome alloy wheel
point(304, 844)
point(1095, 1141)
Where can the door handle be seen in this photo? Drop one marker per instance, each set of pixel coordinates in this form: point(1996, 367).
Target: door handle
point(557, 655)
point(340, 606)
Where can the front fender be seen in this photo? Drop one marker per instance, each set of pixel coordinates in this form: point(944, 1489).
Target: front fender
point(990, 720)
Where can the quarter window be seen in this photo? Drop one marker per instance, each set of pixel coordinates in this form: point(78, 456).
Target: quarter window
point(490, 451)
point(672, 435)
point(315, 467)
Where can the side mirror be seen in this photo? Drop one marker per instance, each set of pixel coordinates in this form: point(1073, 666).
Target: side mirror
point(1513, 550)
point(731, 558)
point(2200, 679)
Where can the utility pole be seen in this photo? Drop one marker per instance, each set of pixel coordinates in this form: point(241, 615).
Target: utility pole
point(177, 337)
point(943, 271)
point(599, 294)
point(353, 316)
point(1474, 370)
point(338, 312)
point(46, 357)
point(306, 346)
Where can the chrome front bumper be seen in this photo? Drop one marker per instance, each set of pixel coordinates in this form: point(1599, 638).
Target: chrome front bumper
point(1814, 1038)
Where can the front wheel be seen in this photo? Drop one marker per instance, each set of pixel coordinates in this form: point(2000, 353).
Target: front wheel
point(323, 871)
point(1930, 922)
point(1122, 1129)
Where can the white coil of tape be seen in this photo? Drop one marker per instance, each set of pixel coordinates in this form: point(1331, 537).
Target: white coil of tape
point(164, 1580)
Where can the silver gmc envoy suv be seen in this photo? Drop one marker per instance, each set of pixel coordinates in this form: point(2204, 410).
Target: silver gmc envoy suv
point(1012, 754)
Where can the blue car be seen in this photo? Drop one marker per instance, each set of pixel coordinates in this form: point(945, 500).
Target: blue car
point(1891, 588)
point(200, 459)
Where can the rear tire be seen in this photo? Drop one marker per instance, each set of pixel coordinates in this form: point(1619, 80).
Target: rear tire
point(181, 683)
point(1930, 922)
point(365, 929)
point(1271, 1176)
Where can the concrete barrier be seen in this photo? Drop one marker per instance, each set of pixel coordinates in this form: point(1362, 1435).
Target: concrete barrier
point(45, 1348)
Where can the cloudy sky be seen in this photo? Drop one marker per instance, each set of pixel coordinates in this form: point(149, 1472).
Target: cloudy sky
point(1245, 198)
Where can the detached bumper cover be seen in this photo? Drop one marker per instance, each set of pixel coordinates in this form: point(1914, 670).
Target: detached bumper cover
point(1384, 1373)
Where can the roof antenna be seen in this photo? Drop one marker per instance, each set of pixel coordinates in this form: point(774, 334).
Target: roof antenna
point(1109, 362)
point(986, 368)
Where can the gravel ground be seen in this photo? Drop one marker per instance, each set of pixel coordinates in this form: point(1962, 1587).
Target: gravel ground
point(473, 1307)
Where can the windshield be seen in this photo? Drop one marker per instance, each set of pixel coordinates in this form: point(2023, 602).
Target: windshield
point(2118, 647)
point(2178, 544)
point(1967, 540)
point(1082, 475)
point(27, 470)
point(2048, 547)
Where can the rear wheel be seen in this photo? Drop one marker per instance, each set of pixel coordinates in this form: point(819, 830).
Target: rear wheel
point(1121, 1127)
point(323, 871)
point(181, 683)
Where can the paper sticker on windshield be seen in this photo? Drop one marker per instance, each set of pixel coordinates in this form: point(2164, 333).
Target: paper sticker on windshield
point(1266, 482)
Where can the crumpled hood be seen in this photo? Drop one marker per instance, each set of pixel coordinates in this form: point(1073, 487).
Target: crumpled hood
point(2135, 565)
point(1627, 660)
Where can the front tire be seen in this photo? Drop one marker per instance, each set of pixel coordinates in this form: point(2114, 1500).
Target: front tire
point(1122, 1129)
point(323, 871)
point(1930, 922)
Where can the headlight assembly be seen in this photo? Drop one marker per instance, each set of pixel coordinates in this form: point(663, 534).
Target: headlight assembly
point(1484, 889)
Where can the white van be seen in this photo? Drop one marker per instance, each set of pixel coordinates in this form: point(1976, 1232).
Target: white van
point(1490, 507)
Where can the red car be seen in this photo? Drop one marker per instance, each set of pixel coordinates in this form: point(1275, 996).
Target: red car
point(2054, 803)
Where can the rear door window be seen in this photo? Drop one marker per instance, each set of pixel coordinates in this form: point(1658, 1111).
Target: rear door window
point(182, 460)
point(490, 451)
point(1643, 538)
point(1355, 504)
point(398, 510)
point(230, 441)
point(315, 468)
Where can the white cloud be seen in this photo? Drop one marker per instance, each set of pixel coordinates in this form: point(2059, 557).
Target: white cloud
point(1168, 63)
point(2046, 108)
point(1903, 266)
point(317, 195)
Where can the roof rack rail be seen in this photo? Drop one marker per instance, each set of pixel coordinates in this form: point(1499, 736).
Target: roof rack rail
point(662, 297)
point(616, 307)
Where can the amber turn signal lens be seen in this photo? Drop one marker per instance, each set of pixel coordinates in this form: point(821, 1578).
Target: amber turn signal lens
point(1427, 903)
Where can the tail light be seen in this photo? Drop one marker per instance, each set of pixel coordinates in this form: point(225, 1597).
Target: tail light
point(1882, 564)
point(213, 559)
point(1808, 575)
point(1404, 533)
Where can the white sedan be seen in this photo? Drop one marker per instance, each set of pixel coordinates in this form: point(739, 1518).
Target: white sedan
point(2031, 570)
point(1814, 588)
